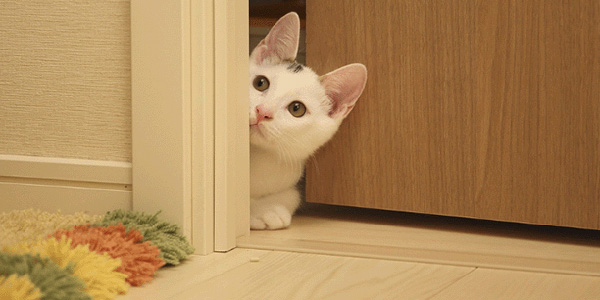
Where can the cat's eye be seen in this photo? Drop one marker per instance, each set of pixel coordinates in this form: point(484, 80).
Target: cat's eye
point(260, 83)
point(297, 109)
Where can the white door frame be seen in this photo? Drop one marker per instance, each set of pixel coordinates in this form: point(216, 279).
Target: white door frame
point(189, 125)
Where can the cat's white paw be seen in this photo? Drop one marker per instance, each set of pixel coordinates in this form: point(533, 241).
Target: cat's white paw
point(277, 217)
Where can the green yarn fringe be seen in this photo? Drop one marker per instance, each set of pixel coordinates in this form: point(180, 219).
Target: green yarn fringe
point(167, 237)
point(54, 282)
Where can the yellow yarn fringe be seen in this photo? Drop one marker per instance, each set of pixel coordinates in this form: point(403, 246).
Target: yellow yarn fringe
point(18, 287)
point(97, 271)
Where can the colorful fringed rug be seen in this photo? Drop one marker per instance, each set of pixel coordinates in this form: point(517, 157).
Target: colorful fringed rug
point(79, 256)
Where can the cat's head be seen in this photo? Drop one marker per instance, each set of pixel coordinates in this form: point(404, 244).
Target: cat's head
point(293, 111)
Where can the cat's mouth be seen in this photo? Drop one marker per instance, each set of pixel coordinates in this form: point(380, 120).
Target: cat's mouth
point(259, 132)
point(254, 128)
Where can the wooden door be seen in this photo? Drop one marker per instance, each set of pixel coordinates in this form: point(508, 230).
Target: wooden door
point(484, 109)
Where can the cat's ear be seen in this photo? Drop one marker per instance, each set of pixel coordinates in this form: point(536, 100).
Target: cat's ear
point(343, 86)
point(281, 44)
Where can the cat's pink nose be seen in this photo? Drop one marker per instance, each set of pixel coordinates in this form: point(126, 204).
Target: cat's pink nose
point(262, 114)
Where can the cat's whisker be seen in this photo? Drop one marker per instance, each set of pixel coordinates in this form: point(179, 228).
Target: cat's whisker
point(285, 147)
point(276, 134)
point(286, 154)
point(291, 144)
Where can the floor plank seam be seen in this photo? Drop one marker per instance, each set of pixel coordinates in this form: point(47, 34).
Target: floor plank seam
point(452, 283)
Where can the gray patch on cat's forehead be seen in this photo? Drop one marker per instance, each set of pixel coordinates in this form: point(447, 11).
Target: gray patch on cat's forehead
point(295, 67)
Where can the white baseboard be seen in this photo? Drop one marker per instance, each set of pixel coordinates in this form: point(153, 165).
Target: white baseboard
point(68, 185)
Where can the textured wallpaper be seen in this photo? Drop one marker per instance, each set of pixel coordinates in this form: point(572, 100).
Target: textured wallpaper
point(65, 79)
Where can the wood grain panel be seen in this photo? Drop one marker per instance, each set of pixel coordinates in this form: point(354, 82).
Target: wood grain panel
point(65, 79)
point(482, 109)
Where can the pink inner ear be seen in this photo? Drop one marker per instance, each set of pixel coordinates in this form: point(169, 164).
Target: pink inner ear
point(260, 53)
point(343, 86)
point(281, 43)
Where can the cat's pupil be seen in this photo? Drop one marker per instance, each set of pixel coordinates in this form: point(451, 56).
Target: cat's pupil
point(261, 83)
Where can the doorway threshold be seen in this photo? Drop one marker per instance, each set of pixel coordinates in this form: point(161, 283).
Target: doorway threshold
point(356, 232)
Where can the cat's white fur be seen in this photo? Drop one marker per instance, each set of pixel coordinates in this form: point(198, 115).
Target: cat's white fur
point(281, 143)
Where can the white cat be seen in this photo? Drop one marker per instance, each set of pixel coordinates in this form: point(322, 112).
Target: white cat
point(293, 112)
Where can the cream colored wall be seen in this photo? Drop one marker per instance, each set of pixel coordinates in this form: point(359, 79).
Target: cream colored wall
point(65, 105)
point(178, 128)
point(65, 79)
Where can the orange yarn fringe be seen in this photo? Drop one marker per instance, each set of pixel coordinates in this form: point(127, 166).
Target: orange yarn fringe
point(139, 261)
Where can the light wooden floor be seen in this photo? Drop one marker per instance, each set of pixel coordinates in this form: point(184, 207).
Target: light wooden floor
point(262, 274)
point(343, 253)
point(439, 240)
